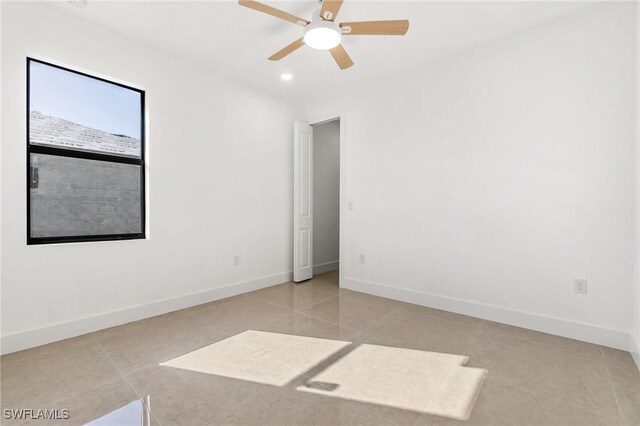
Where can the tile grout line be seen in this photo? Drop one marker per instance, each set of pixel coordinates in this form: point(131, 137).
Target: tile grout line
point(364, 406)
point(559, 349)
point(357, 332)
point(123, 377)
point(256, 297)
point(615, 394)
point(418, 419)
point(471, 340)
point(493, 406)
point(284, 364)
point(262, 351)
point(329, 297)
point(503, 376)
point(278, 317)
point(435, 394)
point(293, 309)
point(298, 375)
point(468, 349)
point(306, 377)
point(324, 321)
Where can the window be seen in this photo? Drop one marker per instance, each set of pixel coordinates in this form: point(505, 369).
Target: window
point(85, 155)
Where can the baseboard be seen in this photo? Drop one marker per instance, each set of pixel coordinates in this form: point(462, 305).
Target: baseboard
point(635, 349)
point(53, 333)
point(326, 267)
point(561, 327)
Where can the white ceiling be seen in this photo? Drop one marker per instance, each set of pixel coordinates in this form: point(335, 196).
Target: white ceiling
point(235, 41)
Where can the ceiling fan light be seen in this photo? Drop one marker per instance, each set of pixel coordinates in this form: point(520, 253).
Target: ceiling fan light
point(322, 35)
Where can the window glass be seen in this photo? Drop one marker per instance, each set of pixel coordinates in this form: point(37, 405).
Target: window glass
point(74, 111)
point(75, 196)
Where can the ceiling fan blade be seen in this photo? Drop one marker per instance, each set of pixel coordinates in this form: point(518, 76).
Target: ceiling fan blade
point(284, 52)
point(341, 56)
point(332, 7)
point(260, 7)
point(375, 27)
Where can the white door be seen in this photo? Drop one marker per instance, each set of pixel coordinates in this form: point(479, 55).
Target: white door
point(302, 202)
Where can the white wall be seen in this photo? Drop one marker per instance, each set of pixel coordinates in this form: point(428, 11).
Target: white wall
point(219, 185)
point(326, 196)
point(635, 335)
point(484, 183)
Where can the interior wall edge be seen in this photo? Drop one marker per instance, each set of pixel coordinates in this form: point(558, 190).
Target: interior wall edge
point(617, 339)
point(52, 333)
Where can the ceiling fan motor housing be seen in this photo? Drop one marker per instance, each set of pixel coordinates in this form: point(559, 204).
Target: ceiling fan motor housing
point(322, 34)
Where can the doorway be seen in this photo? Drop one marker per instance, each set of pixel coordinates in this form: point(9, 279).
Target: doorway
point(318, 198)
point(326, 196)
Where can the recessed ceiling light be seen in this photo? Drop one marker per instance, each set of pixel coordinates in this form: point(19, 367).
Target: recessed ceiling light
point(286, 76)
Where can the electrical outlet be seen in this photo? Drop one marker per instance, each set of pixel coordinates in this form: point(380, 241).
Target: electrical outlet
point(580, 286)
point(350, 205)
point(236, 260)
point(362, 258)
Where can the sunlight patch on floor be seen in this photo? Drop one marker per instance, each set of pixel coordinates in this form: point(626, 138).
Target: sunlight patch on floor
point(427, 382)
point(258, 356)
point(422, 381)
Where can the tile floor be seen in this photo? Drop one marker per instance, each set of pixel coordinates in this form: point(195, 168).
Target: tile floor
point(532, 378)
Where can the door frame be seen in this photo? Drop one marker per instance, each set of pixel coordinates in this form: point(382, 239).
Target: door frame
point(331, 115)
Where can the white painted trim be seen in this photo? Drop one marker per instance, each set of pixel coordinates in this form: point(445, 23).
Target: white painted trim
point(326, 267)
point(317, 119)
point(53, 333)
point(635, 350)
point(558, 326)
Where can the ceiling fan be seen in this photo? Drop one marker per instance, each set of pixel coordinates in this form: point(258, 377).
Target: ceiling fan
point(323, 33)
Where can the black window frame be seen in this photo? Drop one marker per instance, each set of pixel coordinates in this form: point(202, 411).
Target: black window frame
point(63, 152)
